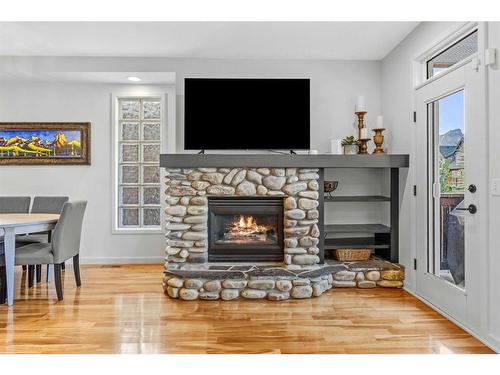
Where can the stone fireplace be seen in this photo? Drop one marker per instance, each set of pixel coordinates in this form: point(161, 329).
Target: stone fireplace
point(254, 233)
point(246, 229)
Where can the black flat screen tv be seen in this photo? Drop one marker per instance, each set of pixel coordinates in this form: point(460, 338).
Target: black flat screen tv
point(246, 114)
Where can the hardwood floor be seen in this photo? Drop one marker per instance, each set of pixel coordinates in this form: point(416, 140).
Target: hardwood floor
point(121, 309)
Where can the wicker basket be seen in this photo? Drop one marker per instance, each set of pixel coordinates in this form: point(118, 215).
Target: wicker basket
point(352, 255)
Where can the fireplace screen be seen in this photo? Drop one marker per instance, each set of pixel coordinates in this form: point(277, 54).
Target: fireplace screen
point(245, 229)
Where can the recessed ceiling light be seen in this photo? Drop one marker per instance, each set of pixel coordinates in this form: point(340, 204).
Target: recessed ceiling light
point(134, 79)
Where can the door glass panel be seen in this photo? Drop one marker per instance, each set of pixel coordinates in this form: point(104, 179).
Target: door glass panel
point(447, 250)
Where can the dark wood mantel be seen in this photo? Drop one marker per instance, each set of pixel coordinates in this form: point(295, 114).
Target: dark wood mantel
point(284, 161)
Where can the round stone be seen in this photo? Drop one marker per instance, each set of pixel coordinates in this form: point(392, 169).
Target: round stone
point(290, 203)
point(173, 250)
point(261, 190)
point(308, 204)
point(197, 210)
point(254, 177)
point(319, 288)
point(313, 185)
point(280, 172)
point(175, 282)
point(313, 250)
point(176, 210)
point(290, 242)
point(199, 219)
point(230, 175)
point(372, 275)
point(200, 243)
point(301, 281)
point(343, 284)
point(284, 285)
point(214, 178)
point(193, 283)
point(308, 176)
point(278, 296)
point(290, 223)
point(292, 179)
point(194, 236)
point(180, 243)
point(293, 189)
point(312, 214)
point(275, 193)
point(314, 231)
point(188, 294)
point(360, 276)
point(304, 291)
point(246, 188)
point(180, 191)
point(274, 182)
point(263, 171)
point(308, 222)
point(344, 275)
point(389, 283)
point(177, 226)
point(200, 185)
point(309, 194)
point(239, 177)
point(297, 231)
point(207, 170)
point(308, 241)
point(185, 201)
point(295, 250)
point(194, 176)
point(197, 257)
point(305, 259)
point(173, 292)
point(199, 227)
point(183, 253)
point(229, 294)
point(366, 284)
point(220, 190)
point(234, 283)
point(212, 286)
point(290, 172)
point(172, 200)
point(211, 296)
point(261, 284)
point(287, 259)
point(253, 293)
point(295, 214)
point(199, 201)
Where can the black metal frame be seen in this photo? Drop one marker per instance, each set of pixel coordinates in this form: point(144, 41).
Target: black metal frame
point(245, 205)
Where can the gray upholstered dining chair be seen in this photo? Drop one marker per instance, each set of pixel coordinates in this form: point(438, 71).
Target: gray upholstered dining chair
point(41, 205)
point(65, 245)
point(15, 205)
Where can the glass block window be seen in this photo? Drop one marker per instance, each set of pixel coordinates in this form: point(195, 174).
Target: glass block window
point(139, 137)
point(455, 53)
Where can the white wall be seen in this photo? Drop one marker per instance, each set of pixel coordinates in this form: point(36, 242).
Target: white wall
point(398, 104)
point(334, 87)
point(78, 102)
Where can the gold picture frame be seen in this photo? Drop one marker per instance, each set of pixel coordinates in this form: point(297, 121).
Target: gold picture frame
point(44, 143)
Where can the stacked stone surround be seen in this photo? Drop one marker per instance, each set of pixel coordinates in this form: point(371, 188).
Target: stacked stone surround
point(189, 276)
point(277, 283)
point(187, 191)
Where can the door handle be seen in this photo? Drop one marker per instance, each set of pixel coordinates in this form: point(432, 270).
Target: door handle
point(472, 209)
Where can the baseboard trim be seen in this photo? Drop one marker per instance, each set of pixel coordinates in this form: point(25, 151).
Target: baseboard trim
point(122, 260)
point(489, 341)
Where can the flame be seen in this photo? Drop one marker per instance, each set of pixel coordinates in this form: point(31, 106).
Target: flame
point(247, 225)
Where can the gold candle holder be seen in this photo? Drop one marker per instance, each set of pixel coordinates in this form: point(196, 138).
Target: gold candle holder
point(362, 146)
point(378, 139)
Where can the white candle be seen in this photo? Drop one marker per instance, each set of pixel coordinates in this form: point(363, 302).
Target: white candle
point(336, 146)
point(364, 133)
point(360, 104)
point(380, 121)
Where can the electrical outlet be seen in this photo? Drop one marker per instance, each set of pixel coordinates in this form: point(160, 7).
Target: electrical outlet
point(495, 186)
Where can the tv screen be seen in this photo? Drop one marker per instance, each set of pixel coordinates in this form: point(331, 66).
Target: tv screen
point(246, 114)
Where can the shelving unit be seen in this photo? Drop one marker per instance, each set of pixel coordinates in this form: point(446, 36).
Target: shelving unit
point(383, 240)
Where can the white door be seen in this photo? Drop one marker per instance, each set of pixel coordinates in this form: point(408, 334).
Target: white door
point(451, 186)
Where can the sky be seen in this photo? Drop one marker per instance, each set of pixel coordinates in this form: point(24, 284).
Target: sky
point(451, 112)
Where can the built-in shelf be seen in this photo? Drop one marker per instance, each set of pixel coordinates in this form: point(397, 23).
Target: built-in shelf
point(354, 243)
point(356, 228)
point(357, 198)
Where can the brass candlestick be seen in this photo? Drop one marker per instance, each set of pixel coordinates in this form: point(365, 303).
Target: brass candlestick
point(362, 147)
point(378, 139)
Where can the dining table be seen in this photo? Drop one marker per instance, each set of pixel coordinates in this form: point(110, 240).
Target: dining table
point(18, 224)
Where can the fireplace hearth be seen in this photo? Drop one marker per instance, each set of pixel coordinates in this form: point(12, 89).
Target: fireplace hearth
point(248, 229)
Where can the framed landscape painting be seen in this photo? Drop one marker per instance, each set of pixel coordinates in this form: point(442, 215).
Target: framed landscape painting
point(45, 143)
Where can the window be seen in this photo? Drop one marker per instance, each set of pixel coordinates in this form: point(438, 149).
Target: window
point(455, 53)
point(138, 137)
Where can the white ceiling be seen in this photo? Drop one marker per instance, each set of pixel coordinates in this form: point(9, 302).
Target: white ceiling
point(259, 40)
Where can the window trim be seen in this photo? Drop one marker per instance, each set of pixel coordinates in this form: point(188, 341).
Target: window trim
point(167, 144)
